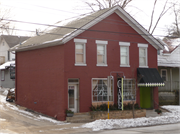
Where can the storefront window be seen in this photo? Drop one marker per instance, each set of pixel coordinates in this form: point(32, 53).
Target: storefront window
point(129, 89)
point(99, 90)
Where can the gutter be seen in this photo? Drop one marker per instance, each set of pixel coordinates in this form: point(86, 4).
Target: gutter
point(33, 47)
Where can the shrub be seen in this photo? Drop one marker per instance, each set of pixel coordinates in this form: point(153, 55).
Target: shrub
point(104, 107)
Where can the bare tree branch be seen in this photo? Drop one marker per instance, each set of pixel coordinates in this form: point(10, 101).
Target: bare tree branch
point(164, 11)
point(4, 25)
point(101, 4)
point(176, 21)
point(152, 15)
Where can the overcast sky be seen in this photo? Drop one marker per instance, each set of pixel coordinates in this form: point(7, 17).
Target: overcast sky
point(52, 11)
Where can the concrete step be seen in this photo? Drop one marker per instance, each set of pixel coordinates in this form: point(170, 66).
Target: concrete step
point(80, 118)
point(151, 113)
point(81, 121)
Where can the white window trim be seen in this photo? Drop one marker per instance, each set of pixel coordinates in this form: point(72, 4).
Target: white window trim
point(101, 42)
point(145, 46)
point(166, 73)
point(92, 90)
point(83, 42)
point(142, 45)
point(124, 44)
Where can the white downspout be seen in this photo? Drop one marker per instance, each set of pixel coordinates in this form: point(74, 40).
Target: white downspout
point(171, 77)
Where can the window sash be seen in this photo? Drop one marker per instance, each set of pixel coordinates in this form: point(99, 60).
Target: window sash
point(2, 75)
point(143, 56)
point(101, 54)
point(124, 51)
point(80, 50)
point(164, 75)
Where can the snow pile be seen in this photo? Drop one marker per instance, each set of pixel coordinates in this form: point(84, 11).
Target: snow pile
point(5, 92)
point(3, 89)
point(173, 117)
point(2, 119)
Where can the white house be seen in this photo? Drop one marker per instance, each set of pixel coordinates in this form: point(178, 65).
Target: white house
point(7, 58)
point(169, 68)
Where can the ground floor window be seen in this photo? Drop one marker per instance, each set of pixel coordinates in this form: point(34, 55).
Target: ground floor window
point(2, 75)
point(129, 89)
point(100, 91)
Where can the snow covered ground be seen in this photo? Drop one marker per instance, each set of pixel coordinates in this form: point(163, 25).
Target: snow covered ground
point(165, 118)
point(4, 104)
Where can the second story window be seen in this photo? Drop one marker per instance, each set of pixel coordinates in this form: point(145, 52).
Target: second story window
point(164, 74)
point(101, 53)
point(143, 60)
point(124, 54)
point(80, 52)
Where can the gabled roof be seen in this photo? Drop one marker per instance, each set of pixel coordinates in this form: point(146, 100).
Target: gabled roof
point(63, 34)
point(14, 40)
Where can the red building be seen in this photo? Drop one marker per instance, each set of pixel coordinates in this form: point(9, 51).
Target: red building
point(67, 67)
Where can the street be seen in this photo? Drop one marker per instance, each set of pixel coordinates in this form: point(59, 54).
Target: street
point(16, 120)
point(160, 129)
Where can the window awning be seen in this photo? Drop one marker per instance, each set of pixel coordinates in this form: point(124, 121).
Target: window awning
point(149, 77)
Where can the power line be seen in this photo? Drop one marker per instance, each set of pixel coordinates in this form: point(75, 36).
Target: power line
point(84, 36)
point(72, 27)
point(82, 15)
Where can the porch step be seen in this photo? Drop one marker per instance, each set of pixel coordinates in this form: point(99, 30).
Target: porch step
point(151, 113)
point(80, 118)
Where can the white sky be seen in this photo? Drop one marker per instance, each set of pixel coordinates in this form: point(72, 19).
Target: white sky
point(52, 11)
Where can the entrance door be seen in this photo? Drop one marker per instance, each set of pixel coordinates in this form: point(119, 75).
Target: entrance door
point(146, 97)
point(72, 97)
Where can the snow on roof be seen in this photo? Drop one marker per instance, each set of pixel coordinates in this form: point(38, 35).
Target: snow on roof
point(7, 64)
point(170, 44)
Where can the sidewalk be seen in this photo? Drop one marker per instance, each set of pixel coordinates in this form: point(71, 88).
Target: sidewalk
point(151, 113)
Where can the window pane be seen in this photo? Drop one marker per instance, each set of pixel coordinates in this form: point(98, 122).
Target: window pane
point(79, 48)
point(79, 58)
point(73, 80)
point(124, 60)
point(163, 72)
point(95, 98)
point(142, 61)
point(100, 59)
point(100, 49)
point(164, 78)
point(71, 98)
point(124, 51)
point(142, 52)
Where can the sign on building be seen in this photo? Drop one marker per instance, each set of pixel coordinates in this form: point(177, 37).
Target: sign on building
point(120, 93)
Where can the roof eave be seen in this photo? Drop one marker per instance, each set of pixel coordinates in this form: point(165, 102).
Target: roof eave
point(33, 47)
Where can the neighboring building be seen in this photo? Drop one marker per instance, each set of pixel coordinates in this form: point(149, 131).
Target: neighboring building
point(168, 66)
point(68, 68)
point(7, 58)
